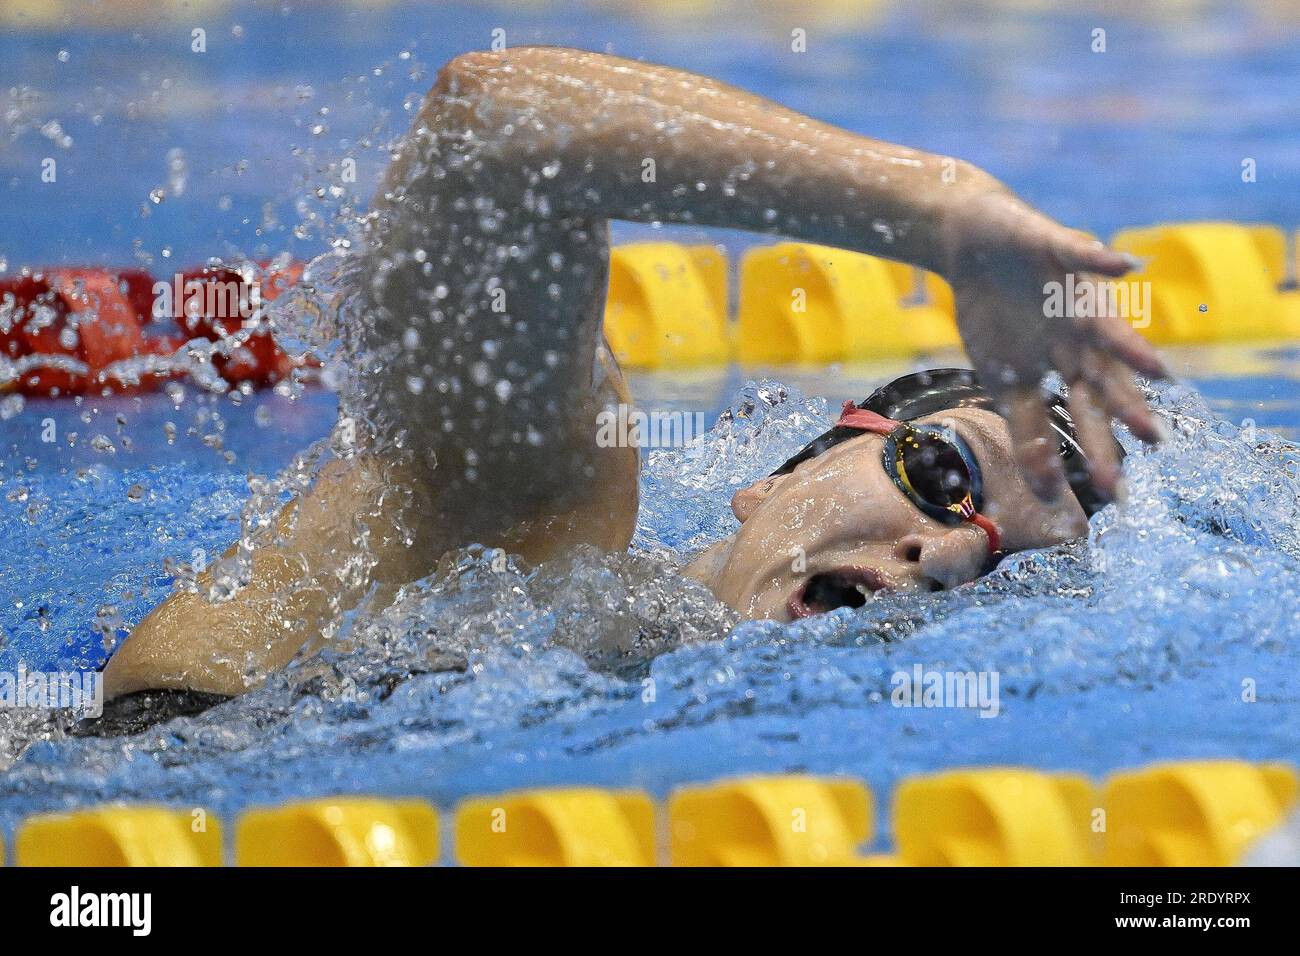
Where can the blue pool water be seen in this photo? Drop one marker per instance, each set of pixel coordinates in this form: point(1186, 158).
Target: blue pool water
point(1153, 129)
point(1134, 647)
point(1140, 644)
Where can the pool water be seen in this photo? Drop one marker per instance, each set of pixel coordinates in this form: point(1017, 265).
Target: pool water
point(612, 670)
point(1153, 129)
point(1171, 632)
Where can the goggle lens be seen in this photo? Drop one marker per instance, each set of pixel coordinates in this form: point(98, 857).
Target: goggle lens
point(935, 469)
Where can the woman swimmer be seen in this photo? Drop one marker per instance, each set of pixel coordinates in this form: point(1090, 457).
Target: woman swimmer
point(476, 365)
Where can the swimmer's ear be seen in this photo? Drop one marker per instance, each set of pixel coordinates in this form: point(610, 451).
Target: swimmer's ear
point(746, 500)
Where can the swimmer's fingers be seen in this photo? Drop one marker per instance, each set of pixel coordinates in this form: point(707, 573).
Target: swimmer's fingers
point(1079, 252)
point(1106, 354)
point(1012, 367)
point(1116, 336)
point(1112, 383)
point(1102, 388)
point(1110, 388)
point(1092, 428)
point(1036, 444)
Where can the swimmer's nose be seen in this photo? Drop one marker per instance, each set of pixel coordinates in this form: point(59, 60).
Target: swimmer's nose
point(945, 559)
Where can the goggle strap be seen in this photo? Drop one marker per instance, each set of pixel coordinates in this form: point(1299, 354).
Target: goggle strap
point(865, 420)
point(968, 513)
point(990, 529)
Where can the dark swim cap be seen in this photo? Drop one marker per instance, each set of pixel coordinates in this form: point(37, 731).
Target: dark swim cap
point(940, 389)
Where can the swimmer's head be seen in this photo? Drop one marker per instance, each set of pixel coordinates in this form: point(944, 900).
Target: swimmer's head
point(915, 489)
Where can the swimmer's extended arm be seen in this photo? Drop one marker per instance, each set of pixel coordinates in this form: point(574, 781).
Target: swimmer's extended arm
point(620, 139)
point(630, 140)
point(499, 196)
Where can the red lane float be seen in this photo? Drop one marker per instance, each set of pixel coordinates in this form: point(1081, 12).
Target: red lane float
point(86, 320)
point(224, 291)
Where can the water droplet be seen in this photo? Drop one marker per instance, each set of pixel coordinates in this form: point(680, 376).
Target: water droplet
point(11, 405)
point(177, 171)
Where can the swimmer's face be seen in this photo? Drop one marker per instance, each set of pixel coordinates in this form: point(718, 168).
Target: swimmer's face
point(837, 531)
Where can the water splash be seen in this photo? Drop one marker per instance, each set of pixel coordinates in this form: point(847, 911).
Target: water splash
point(1161, 635)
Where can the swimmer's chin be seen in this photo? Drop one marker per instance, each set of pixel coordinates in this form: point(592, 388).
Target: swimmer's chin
point(780, 597)
point(768, 604)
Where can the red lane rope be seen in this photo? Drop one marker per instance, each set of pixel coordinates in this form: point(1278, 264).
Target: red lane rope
point(87, 319)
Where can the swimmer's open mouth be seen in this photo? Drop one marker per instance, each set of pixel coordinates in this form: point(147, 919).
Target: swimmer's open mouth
point(848, 586)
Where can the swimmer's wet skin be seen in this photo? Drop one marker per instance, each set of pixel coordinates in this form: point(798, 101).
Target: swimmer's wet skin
point(878, 504)
point(475, 365)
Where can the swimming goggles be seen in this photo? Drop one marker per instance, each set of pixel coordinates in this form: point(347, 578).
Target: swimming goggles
point(932, 466)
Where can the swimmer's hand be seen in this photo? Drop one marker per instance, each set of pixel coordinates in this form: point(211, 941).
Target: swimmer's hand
point(1001, 255)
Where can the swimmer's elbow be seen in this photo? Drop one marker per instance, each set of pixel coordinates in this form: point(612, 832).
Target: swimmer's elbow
point(467, 71)
point(497, 72)
point(475, 91)
point(496, 96)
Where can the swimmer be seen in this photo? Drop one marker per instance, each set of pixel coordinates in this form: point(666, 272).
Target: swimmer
point(475, 365)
